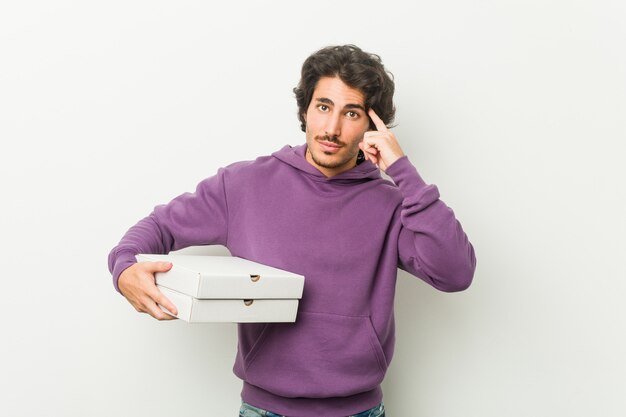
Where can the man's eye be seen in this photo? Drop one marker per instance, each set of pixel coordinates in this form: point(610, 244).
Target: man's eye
point(323, 107)
point(352, 115)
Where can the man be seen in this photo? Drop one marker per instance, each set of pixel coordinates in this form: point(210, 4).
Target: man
point(321, 210)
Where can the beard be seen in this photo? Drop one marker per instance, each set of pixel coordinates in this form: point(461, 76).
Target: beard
point(333, 160)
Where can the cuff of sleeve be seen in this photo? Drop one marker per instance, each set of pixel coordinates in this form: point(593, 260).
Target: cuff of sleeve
point(416, 193)
point(406, 177)
point(123, 260)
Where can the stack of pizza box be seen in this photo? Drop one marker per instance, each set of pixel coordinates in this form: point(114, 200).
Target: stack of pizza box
point(227, 289)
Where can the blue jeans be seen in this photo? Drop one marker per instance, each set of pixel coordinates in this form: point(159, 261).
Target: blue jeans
point(248, 410)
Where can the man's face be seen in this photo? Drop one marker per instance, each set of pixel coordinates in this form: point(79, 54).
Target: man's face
point(335, 123)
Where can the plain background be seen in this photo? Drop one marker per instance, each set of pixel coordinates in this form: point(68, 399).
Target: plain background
point(515, 109)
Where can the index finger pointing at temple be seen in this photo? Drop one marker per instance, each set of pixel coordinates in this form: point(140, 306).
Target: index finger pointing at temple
point(380, 125)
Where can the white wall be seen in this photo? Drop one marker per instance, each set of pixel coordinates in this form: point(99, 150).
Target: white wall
point(515, 109)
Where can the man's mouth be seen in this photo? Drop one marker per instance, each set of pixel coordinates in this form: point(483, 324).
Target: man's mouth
point(328, 145)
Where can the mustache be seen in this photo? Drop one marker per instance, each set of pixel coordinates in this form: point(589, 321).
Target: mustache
point(332, 139)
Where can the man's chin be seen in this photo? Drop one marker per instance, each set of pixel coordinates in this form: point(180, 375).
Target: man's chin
point(329, 160)
point(323, 159)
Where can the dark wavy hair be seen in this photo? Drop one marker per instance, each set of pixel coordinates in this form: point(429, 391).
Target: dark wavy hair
point(358, 69)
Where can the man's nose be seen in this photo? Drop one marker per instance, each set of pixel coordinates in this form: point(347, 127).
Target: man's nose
point(333, 125)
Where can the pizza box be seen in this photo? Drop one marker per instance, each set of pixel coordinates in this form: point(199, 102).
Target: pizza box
point(225, 277)
point(194, 310)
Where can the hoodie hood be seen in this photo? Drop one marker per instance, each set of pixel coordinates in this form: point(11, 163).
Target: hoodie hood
point(295, 156)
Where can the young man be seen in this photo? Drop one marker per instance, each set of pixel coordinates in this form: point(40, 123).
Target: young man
point(321, 210)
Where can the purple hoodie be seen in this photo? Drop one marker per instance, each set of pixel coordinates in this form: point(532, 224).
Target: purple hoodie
point(347, 235)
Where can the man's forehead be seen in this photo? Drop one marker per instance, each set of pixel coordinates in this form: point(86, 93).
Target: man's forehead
point(334, 91)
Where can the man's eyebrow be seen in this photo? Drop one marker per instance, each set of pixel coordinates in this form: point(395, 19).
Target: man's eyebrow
point(347, 106)
point(354, 106)
point(324, 100)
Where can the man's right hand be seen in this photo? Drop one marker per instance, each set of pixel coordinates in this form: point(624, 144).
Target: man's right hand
point(138, 285)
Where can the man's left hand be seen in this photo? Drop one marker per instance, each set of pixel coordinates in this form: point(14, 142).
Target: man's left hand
point(380, 146)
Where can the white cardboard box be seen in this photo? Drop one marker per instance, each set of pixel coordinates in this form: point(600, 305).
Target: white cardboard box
point(227, 289)
point(194, 310)
point(226, 277)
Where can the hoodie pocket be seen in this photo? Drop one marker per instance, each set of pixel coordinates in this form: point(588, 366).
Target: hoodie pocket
point(321, 355)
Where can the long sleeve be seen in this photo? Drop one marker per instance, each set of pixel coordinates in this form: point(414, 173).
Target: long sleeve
point(432, 244)
point(198, 218)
